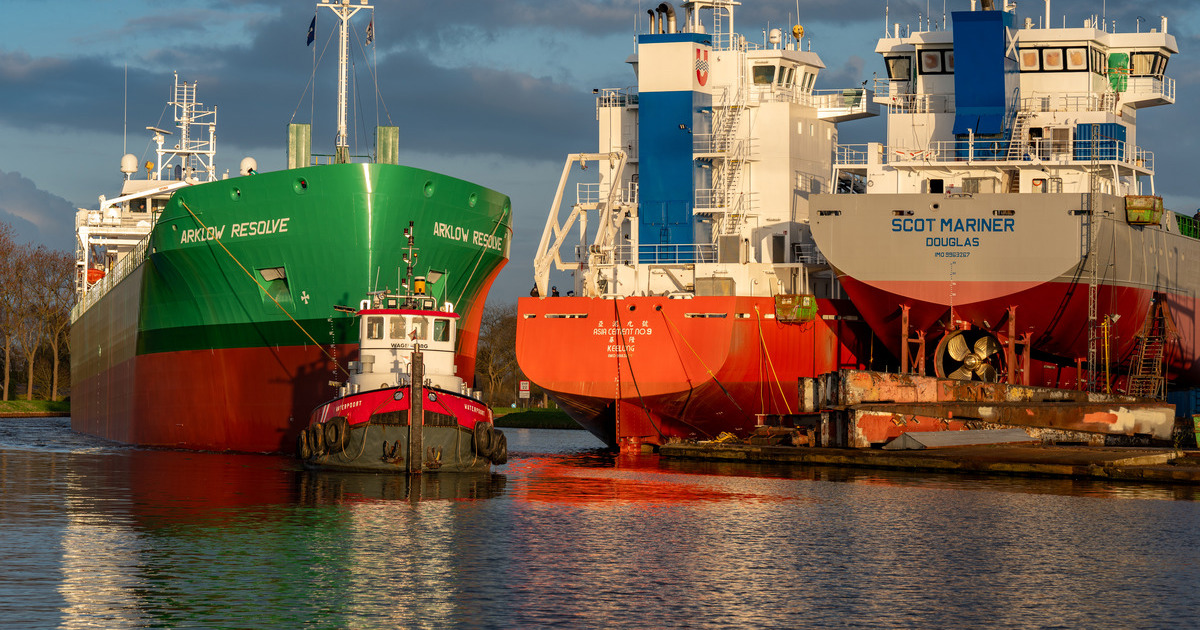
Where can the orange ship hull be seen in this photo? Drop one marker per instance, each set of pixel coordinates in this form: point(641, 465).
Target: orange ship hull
point(645, 370)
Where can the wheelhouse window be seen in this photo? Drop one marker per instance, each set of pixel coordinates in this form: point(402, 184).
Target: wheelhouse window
point(936, 61)
point(899, 68)
point(1059, 59)
point(441, 329)
point(763, 75)
point(1147, 64)
point(420, 328)
point(396, 327)
point(375, 327)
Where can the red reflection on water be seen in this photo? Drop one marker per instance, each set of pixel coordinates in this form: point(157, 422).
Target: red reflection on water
point(556, 480)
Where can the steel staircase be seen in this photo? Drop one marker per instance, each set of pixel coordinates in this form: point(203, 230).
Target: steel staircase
point(1016, 140)
point(728, 199)
point(1147, 378)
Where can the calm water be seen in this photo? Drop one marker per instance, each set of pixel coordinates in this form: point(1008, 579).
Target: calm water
point(97, 535)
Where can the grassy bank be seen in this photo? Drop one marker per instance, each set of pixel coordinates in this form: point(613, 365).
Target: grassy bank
point(509, 418)
point(35, 408)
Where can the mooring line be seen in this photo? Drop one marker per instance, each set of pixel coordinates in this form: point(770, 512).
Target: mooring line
point(706, 368)
point(766, 352)
point(265, 292)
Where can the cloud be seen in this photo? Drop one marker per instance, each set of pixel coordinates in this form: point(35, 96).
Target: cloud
point(257, 85)
point(37, 215)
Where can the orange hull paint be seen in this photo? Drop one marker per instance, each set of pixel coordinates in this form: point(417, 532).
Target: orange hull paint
point(689, 368)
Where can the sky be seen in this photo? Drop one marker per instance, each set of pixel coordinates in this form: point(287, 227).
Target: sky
point(496, 92)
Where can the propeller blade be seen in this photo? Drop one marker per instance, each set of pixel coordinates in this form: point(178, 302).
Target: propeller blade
point(986, 346)
point(963, 373)
point(986, 373)
point(957, 347)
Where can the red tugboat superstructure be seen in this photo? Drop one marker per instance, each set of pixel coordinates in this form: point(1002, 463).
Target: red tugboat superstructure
point(402, 407)
point(1009, 230)
point(698, 297)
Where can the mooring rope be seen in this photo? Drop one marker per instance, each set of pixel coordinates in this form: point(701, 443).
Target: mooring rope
point(767, 353)
point(638, 390)
point(264, 290)
point(483, 251)
point(706, 368)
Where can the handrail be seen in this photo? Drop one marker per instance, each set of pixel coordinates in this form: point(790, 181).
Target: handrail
point(1045, 149)
point(119, 270)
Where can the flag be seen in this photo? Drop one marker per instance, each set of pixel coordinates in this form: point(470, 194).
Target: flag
point(312, 31)
point(370, 31)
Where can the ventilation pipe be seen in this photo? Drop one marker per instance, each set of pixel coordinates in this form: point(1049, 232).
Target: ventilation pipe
point(670, 11)
point(989, 5)
point(653, 28)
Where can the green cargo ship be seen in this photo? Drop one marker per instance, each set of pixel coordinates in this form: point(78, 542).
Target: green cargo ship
point(206, 316)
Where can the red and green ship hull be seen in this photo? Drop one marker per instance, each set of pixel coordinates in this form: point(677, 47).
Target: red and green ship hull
point(223, 335)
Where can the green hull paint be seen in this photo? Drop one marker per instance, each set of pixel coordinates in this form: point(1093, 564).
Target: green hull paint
point(333, 239)
point(188, 351)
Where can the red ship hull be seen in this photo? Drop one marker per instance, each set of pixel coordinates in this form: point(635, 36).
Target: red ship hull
point(1054, 314)
point(679, 368)
point(254, 399)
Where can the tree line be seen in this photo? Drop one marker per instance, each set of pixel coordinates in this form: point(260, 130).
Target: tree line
point(37, 291)
point(496, 369)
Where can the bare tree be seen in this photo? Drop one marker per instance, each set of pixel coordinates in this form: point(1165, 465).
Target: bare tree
point(30, 323)
point(10, 283)
point(56, 279)
point(496, 357)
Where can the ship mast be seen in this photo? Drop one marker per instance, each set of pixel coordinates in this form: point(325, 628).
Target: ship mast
point(344, 11)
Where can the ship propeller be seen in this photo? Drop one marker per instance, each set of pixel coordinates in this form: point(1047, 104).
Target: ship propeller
point(968, 355)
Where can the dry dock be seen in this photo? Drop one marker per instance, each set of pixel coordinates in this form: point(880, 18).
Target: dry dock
point(1133, 464)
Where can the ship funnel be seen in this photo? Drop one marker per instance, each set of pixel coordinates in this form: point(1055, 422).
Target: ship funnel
point(670, 11)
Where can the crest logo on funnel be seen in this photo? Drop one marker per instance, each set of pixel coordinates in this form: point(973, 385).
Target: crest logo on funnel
point(702, 66)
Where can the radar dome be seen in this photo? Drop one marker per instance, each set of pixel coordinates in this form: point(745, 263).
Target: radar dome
point(129, 163)
point(775, 36)
point(248, 165)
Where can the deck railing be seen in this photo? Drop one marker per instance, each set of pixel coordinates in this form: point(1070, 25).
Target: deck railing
point(122, 268)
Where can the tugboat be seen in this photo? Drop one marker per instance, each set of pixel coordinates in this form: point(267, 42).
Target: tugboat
point(402, 407)
point(200, 299)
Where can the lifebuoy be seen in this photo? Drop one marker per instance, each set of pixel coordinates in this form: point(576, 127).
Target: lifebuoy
point(500, 449)
point(303, 451)
point(483, 439)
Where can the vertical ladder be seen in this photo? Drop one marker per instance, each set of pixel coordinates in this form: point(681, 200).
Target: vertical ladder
point(1090, 217)
point(1146, 376)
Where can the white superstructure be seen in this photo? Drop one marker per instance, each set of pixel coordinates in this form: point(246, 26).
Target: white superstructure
point(701, 181)
point(105, 238)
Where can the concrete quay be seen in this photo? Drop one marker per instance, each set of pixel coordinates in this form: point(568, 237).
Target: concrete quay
point(1162, 465)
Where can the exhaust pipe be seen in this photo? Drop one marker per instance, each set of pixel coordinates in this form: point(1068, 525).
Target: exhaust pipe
point(670, 11)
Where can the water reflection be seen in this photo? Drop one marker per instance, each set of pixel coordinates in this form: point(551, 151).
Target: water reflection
point(345, 487)
point(96, 535)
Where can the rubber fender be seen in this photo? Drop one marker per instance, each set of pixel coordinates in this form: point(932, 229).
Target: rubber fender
point(303, 450)
point(337, 435)
point(316, 439)
point(500, 448)
point(483, 439)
